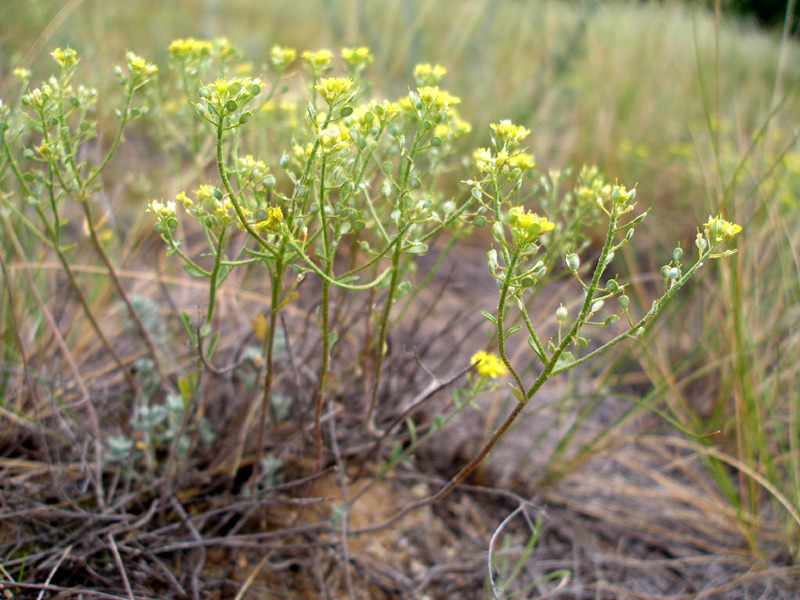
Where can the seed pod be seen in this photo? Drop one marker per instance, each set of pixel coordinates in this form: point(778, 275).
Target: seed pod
point(573, 262)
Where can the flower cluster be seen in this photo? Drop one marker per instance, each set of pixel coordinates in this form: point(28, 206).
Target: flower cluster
point(488, 365)
point(319, 61)
point(721, 230)
point(453, 128)
point(527, 226)
point(273, 217)
point(506, 157)
point(38, 98)
point(333, 88)
point(428, 75)
point(65, 58)
point(164, 214)
point(138, 67)
point(22, 74)
point(281, 57)
point(189, 51)
point(222, 50)
point(432, 99)
point(226, 96)
point(507, 135)
point(358, 59)
point(333, 139)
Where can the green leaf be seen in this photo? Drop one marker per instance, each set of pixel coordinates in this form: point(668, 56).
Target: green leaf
point(565, 360)
point(184, 388)
point(385, 281)
point(535, 348)
point(416, 249)
point(412, 431)
point(193, 271)
point(187, 326)
point(489, 316)
point(511, 330)
point(397, 450)
point(436, 423)
point(402, 289)
point(212, 343)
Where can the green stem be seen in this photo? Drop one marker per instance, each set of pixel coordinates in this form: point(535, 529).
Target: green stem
point(379, 352)
point(212, 288)
point(501, 304)
point(325, 324)
point(274, 308)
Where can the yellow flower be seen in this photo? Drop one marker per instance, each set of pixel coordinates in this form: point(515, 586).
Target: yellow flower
point(522, 160)
point(508, 134)
point(185, 200)
point(484, 160)
point(22, 74)
point(426, 74)
point(281, 57)
point(357, 57)
point(721, 229)
point(161, 210)
point(318, 59)
point(453, 128)
point(433, 98)
point(189, 49)
point(333, 139)
point(331, 88)
point(222, 49)
point(273, 220)
point(527, 226)
point(489, 365)
point(65, 58)
point(138, 66)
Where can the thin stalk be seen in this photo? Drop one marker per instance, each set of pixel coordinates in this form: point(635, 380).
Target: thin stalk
point(274, 308)
point(369, 417)
point(512, 417)
point(501, 304)
point(325, 323)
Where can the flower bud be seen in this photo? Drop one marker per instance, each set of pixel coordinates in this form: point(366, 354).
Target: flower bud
point(677, 254)
point(561, 313)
